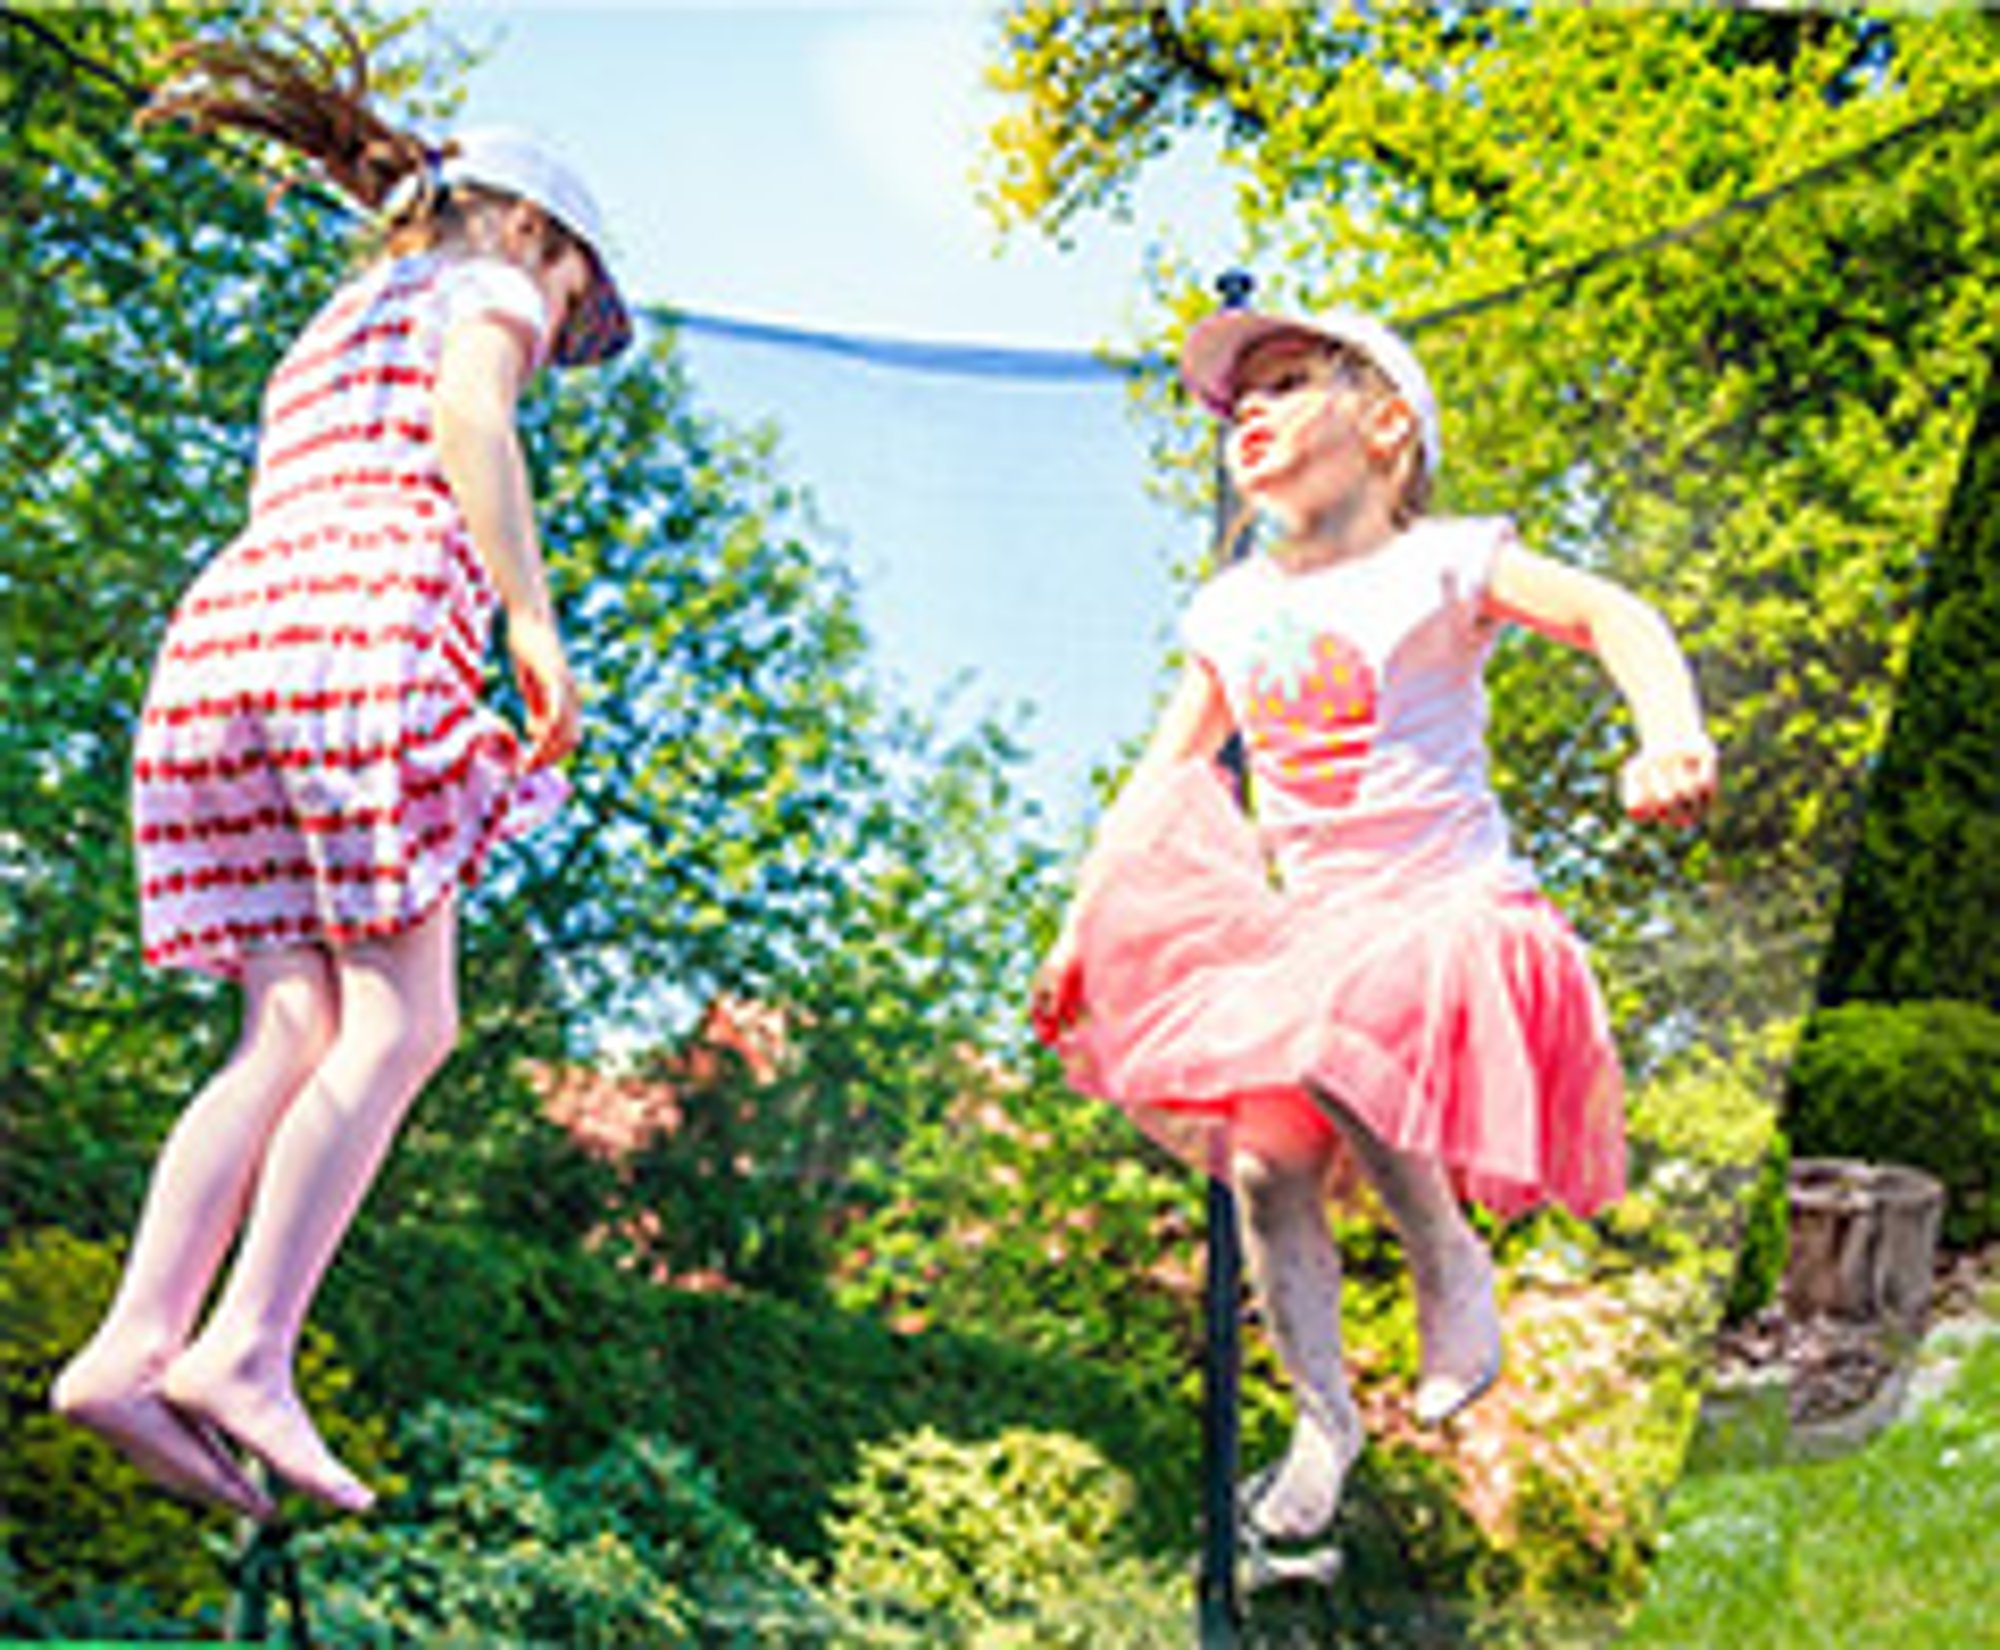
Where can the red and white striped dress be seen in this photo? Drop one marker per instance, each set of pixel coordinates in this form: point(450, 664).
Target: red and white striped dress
point(314, 765)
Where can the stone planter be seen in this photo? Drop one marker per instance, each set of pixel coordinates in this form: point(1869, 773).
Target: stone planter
point(1863, 1237)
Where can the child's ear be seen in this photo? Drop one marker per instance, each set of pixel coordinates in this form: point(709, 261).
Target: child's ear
point(1387, 425)
point(527, 228)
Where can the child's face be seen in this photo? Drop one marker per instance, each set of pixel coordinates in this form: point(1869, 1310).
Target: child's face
point(557, 263)
point(1292, 417)
point(564, 279)
point(1302, 436)
point(565, 282)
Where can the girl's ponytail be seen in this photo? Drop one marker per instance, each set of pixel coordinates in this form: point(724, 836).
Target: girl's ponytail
point(307, 101)
point(315, 103)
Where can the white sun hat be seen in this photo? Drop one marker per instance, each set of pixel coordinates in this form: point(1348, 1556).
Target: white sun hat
point(1216, 347)
point(517, 162)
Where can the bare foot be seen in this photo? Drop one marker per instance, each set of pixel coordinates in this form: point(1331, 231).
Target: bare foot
point(1458, 1319)
point(128, 1412)
point(267, 1420)
point(1296, 1500)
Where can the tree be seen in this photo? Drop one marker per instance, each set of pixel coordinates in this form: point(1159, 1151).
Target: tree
point(1916, 911)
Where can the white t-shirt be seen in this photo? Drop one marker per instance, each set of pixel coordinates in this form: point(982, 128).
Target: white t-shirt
point(1359, 690)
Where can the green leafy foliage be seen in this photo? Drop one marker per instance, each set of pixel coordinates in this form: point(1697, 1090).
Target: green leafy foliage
point(1766, 1241)
point(1013, 1212)
point(774, 1399)
point(1032, 1213)
point(1010, 1541)
point(790, 1109)
point(1913, 1083)
point(1609, 1375)
point(79, 1522)
point(1916, 910)
point(483, 1547)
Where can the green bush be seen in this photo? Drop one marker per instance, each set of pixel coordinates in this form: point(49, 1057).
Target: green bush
point(1766, 1245)
point(777, 1401)
point(1015, 1540)
point(1707, 1204)
point(90, 1542)
point(1911, 1083)
point(1041, 1218)
point(484, 1548)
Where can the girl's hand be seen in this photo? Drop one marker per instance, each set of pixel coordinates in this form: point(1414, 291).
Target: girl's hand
point(1675, 783)
point(541, 671)
point(1058, 993)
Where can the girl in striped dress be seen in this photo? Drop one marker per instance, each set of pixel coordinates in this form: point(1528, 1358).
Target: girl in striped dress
point(315, 777)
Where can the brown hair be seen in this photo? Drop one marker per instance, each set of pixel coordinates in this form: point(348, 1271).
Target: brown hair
point(316, 103)
point(306, 99)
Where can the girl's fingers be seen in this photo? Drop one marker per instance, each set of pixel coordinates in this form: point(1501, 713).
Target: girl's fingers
point(549, 695)
point(1675, 786)
point(553, 731)
point(1057, 1001)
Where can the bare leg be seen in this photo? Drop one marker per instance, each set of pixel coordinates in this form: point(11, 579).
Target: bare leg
point(194, 1205)
point(1458, 1318)
point(398, 1020)
point(1295, 1270)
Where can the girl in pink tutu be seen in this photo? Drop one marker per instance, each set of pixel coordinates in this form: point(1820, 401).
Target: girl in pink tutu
point(316, 777)
point(1366, 978)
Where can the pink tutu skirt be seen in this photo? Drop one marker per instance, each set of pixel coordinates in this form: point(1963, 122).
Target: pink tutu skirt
point(1456, 1018)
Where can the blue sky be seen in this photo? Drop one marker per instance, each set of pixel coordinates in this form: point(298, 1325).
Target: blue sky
point(812, 165)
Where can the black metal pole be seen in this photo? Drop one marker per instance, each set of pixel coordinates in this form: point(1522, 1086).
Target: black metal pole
point(250, 1578)
point(264, 1565)
point(1220, 1608)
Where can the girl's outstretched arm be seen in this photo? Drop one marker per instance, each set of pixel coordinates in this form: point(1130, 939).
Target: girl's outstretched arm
point(485, 363)
point(1194, 724)
point(1673, 775)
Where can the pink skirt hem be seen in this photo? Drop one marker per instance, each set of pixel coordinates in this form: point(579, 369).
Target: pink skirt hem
point(1458, 1019)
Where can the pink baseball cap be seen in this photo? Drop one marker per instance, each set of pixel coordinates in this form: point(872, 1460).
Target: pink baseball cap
point(516, 162)
point(1216, 347)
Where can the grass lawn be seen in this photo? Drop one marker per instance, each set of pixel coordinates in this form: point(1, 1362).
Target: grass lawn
point(1896, 1544)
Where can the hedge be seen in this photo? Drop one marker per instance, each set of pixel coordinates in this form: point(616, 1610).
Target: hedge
point(1910, 1083)
point(776, 1401)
